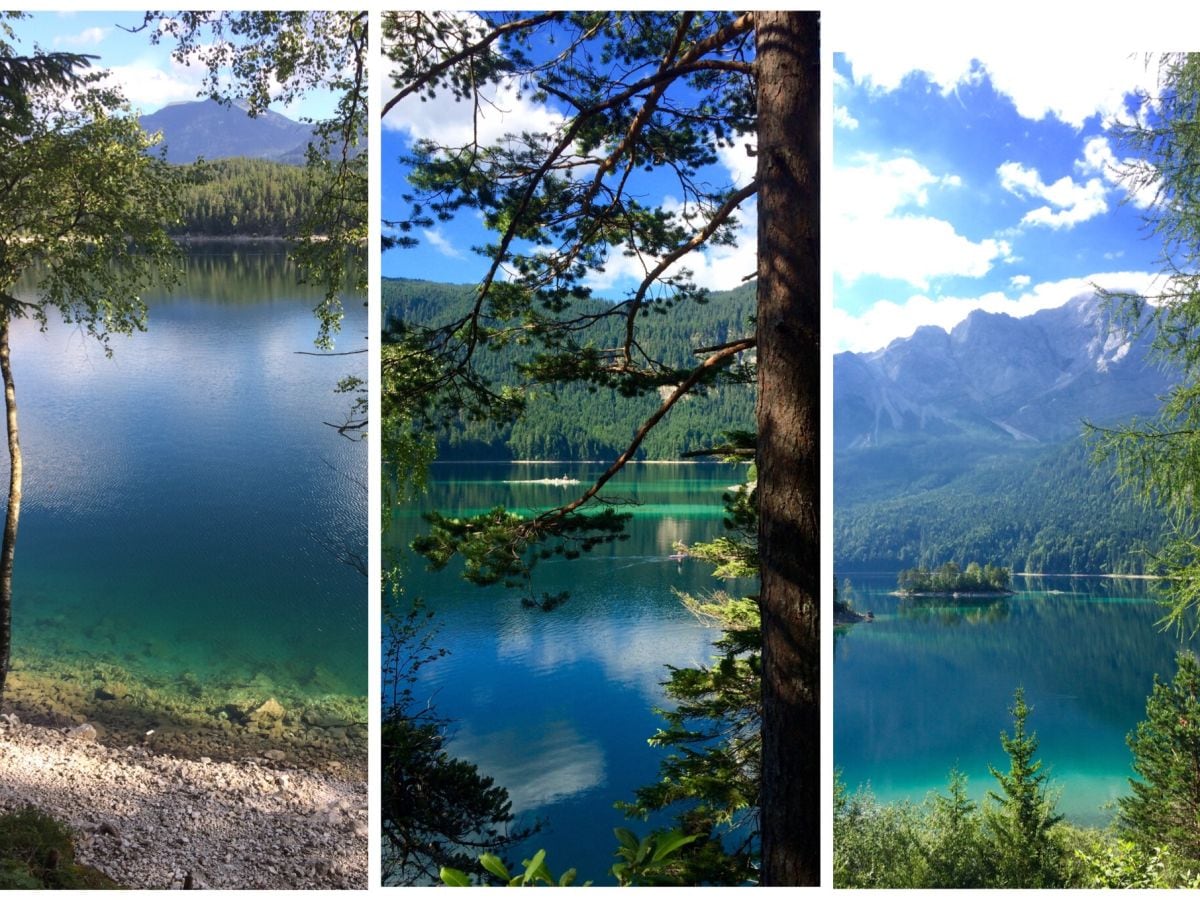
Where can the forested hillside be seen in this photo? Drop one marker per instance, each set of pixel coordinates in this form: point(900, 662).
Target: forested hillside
point(573, 421)
point(1033, 510)
point(245, 198)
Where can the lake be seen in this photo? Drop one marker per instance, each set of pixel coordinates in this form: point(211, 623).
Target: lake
point(558, 706)
point(927, 686)
point(191, 529)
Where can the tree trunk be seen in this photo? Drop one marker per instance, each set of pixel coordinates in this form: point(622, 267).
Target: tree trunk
point(9, 546)
point(789, 325)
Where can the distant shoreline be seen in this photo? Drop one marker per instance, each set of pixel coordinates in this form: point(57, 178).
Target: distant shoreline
point(575, 462)
point(230, 239)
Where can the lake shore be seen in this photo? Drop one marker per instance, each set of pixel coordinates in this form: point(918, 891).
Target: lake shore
point(151, 820)
point(235, 787)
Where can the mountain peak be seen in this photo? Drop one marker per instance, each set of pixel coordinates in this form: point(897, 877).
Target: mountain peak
point(998, 377)
point(213, 130)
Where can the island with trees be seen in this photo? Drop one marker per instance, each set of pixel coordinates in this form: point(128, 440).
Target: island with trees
point(950, 579)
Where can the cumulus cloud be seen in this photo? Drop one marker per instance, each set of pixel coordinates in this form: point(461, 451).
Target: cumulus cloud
point(718, 268)
point(843, 119)
point(147, 86)
point(887, 320)
point(879, 229)
point(1070, 84)
point(1069, 202)
point(1132, 176)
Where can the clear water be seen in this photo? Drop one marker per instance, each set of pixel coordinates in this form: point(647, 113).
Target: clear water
point(185, 508)
point(558, 706)
point(927, 687)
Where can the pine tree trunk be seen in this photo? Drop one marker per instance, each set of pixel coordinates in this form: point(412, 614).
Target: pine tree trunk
point(788, 428)
point(9, 546)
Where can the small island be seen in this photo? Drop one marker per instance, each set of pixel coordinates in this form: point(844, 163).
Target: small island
point(950, 579)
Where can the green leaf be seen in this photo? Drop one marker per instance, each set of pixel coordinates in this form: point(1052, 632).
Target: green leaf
point(534, 867)
point(627, 838)
point(454, 878)
point(495, 865)
point(670, 842)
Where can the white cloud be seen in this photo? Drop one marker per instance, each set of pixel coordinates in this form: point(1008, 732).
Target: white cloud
point(742, 167)
point(887, 320)
point(147, 86)
point(440, 243)
point(1132, 176)
point(718, 268)
point(878, 229)
point(84, 38)
point(1020, 281)
point(1069, 84)
point(843, 119)
point(505, 110)
point(1070, 202)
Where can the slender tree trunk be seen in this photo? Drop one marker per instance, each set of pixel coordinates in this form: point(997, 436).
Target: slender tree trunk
point(9, 546)
point(789, 324)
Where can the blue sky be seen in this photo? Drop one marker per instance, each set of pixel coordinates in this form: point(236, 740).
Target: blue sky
point(445, 251)
point(987, 180)
point(147, 75)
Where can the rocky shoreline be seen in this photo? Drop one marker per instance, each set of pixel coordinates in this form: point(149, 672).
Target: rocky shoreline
point(228, 784)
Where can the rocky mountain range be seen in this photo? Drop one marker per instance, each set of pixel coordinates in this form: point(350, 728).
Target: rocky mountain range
point(211, 130)
point(1020, 380)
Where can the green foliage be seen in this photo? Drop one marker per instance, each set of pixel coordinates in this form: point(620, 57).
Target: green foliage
point(266, 56)
point(1164, 809)
point(22, 76)
point(245, 198)
point(86, 207)
point(1159, 459)
point(713, 771)
point(651, 860)
point(1028, 854)
point(875, 845)
point(555, 418)
point(1108, 862)
point(950, 577)
point(37, 851)
point(1030, 510)
point(502, 546)
point(438, 812)
point(1015, 840)
point(957, 849)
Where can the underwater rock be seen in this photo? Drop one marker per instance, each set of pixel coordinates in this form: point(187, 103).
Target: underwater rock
point(324, 718)
point(115, 690)
point(268, 713)
point(84, 732)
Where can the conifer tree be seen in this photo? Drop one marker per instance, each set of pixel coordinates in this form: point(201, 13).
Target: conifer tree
point(1021, 817)
point(1164, 809)
point(637, 90)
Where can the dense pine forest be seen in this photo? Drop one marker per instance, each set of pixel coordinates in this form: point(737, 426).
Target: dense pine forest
point(245, 198)
point(1037, 510)
point(580, 422)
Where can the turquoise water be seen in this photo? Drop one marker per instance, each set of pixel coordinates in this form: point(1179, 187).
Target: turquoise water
point(927, 686)
point(185, 508)
point(558, 706)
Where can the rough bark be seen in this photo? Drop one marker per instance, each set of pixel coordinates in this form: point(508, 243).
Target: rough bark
point(9, 546)
point(788, 428)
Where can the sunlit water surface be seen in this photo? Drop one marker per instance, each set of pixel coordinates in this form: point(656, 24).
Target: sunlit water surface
point(186, 510)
